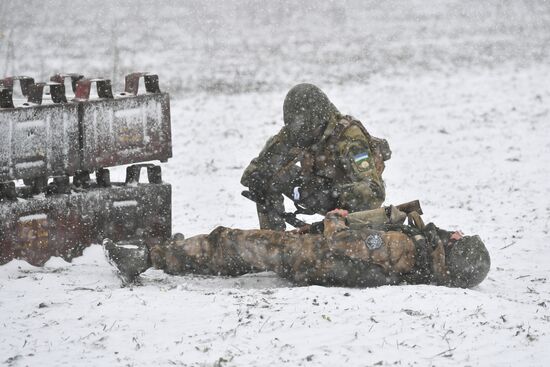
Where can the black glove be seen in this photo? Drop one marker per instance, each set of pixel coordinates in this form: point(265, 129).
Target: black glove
point(258, 185)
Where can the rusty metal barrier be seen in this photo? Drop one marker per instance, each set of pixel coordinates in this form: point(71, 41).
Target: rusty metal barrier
point(123, 128)
point(49, 137)
point(37, 139)
point(45, 138)
point(63, 225)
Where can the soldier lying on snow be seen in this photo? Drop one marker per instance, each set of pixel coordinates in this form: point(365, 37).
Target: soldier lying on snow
point(362, 249)
point(340, 163)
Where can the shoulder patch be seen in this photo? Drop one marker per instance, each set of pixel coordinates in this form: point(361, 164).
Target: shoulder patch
point(344, 122)
point(374, 241)
point(360, 157)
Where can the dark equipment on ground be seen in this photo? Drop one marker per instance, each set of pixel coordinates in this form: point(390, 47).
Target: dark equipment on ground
point(45, 139)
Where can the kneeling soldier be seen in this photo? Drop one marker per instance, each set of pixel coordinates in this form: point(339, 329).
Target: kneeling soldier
point(321, 159)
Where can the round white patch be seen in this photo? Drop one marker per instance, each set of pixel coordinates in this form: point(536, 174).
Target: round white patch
point(374, 241)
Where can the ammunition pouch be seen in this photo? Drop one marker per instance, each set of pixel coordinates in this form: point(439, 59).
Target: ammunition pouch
point(376, 218)
point(381, 147)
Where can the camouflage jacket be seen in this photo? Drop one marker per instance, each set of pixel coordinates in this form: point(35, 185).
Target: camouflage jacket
point(344, 167)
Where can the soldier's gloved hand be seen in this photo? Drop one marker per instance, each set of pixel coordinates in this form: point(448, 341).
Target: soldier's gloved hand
point(252, 175)
point(257, 184)
point(334, 221)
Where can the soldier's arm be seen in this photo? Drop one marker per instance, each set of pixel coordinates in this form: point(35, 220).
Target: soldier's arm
point(364, 188)
point(277, 156)
point(334, 221)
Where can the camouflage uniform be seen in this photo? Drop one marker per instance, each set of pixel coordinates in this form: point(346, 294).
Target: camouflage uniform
point(341, 169)
point(340, 256)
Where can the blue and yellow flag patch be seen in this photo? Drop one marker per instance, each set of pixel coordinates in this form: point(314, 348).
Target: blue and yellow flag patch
point(358, 158)
point(361, 161)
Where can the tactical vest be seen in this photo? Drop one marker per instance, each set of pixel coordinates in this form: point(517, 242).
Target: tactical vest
point(430, 252)
point(323, 163)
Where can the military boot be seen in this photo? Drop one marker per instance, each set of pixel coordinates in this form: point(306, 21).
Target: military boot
point(131, 258)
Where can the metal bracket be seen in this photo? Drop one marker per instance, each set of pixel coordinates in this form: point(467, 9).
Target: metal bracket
point(154, 173)
point(7, 191)
point(36, 93)
point(103, 177)
point(24, 82)
point(131, 83)
point(83, 87)
point(60, 78)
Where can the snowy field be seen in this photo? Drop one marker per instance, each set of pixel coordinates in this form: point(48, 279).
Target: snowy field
point(460, 89)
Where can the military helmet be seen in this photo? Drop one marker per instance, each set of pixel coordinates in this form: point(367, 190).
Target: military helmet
point(306, 113)
point(468, 262)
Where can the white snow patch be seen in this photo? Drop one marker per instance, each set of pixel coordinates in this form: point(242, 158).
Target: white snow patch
point(24, 125)
point(125, 203)
point(30, 218)
point(128, 246)
point(27, 165)
point(129, 114)
point(55, 262)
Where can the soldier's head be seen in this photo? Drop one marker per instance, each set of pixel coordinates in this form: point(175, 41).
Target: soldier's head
point(306, 113)
point(468, 262)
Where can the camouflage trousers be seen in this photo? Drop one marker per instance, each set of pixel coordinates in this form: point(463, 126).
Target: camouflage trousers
point(352, 258)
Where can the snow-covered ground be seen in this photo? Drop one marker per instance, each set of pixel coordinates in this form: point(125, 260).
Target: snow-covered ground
point(461, 90)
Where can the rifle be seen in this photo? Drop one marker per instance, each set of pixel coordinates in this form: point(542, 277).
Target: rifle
point(290, 218)
point(411, 206)
point(386, 214)
point(414, 212)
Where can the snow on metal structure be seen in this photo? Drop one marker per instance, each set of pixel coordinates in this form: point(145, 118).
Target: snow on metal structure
point(124, 128)
point(47, 137)
point(37, 139)
point(63, 225)
point(58, 137)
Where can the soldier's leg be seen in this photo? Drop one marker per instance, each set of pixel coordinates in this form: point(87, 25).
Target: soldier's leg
point(270, 215)
point(224, 251)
